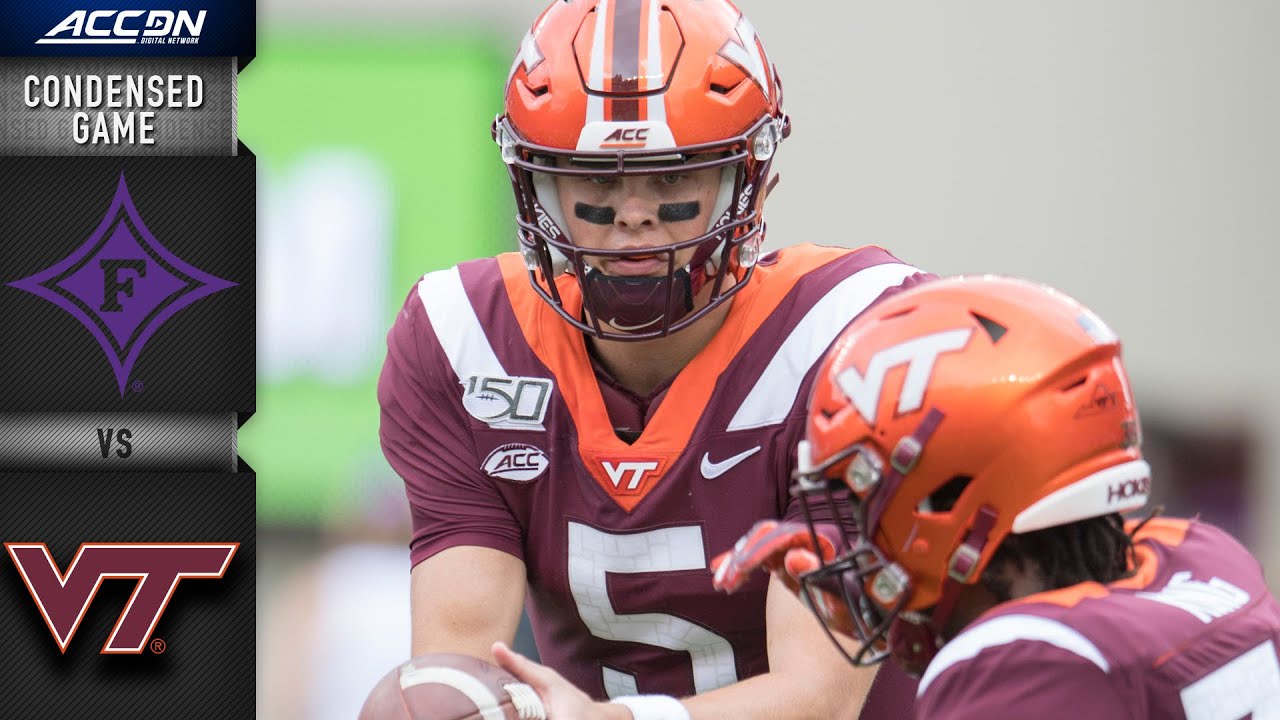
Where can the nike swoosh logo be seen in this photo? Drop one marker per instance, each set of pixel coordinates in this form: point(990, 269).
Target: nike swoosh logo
point(712, 470)
point(632, 328)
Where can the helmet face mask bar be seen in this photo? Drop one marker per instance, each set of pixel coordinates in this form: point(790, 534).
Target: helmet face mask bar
point(643, 308)
point(860, 568)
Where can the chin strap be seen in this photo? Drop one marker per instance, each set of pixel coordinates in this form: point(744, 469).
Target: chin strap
point(914, 642)
point(902, 460)
point(963, 564)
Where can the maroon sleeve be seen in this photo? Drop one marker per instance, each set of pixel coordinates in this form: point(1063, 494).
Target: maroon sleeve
point(426, 438)
point(1024, 679)
point(892, 695)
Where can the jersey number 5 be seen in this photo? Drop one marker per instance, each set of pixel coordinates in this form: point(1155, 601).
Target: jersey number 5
point(594, 553)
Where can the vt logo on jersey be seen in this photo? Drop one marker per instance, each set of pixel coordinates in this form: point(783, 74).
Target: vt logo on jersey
point(627, 475)
point(63, 599)
point(627, 479)
point(122, 284)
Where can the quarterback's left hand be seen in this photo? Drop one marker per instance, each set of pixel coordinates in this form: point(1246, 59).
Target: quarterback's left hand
point(786, 549)
point(766, 546)
point(561, 699)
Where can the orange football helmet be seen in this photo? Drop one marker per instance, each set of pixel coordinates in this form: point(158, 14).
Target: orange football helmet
point(612, 88)
point(944, 419)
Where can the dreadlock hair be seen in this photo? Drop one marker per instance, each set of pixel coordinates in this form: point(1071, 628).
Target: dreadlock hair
point(1095, 549)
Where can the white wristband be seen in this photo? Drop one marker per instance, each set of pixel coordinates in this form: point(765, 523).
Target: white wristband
point(653, 707)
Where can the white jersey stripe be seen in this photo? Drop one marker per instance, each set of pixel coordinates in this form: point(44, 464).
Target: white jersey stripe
point(457, 327)
point(1003, 631)
point(775, 392)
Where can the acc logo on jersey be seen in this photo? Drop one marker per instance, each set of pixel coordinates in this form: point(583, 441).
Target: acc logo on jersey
point(507, 402)
point(516, 461)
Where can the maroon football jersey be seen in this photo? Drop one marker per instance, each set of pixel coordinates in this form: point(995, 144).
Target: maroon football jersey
point(1192, 634)
point(493, 416)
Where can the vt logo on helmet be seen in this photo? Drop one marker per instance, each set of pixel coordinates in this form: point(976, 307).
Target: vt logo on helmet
point(603, 91)
point(941, 421)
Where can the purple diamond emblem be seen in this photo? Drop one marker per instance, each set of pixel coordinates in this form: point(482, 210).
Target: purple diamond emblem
point(122, 284)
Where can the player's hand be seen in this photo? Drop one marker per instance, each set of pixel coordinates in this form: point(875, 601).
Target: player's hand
point(786, 550)
point(765, 547)
point(561, 699)
point(824, 599)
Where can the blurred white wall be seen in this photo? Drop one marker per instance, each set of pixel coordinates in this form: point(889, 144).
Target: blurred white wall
point(1127, 152)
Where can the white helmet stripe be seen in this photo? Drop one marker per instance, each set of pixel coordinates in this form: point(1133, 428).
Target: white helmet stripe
point(595, 103)
point(657, 103)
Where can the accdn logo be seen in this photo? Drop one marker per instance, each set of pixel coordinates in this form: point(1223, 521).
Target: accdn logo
point(126, 27)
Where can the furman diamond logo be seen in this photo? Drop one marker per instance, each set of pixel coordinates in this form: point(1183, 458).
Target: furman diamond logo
point(122, 284)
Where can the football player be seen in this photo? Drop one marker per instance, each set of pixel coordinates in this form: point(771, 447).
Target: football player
point(579, 423)
point(980, 436)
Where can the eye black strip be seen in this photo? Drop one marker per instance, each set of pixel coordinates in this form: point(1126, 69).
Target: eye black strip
point(679, 212)
point(595, 214)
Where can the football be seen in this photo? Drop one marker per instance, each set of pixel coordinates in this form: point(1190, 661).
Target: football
point(443, 686)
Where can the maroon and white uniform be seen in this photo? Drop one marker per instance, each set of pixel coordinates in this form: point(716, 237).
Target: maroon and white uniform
point(502, 430)
point(1193, 634)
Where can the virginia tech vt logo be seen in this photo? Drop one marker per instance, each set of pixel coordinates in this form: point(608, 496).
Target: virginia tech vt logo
point(63, 598)
point(122, 284)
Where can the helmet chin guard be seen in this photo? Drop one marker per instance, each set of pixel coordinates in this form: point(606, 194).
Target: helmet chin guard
point(636, 304)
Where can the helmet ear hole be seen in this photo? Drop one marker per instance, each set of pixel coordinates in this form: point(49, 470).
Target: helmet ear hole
point(946, 496)
point(1074, 383)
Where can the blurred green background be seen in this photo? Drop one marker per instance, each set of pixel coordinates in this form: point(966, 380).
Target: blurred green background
point(375, 167)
